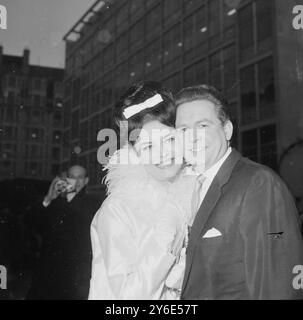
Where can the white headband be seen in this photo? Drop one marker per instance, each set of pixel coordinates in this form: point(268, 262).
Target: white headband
point(136, 108)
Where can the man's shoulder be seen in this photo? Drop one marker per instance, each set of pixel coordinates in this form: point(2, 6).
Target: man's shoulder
point(253, 171)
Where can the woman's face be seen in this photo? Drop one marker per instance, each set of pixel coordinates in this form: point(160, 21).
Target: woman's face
point(159, 149)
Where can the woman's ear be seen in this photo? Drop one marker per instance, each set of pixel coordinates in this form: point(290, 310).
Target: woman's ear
point(228, 129)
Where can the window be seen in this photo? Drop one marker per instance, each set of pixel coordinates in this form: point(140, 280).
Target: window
point(153, 21)
point(9, 114)
point(56, 136)
point(36, 116)
point(246, 32)
point(268, 141)
point(172, 10)
point(174, 82)
point(189, 38)
point(84, 102)
point(57, 119)
point(109, 57)
point(66, 114)
point(189, 76)
point(33, 151)
point(190, 5)
point(96, 96)
point(136, 35)
point(66, 144)
point(107, 90)
point(153, 57)
point(136, 66)
point(11, 98)
point(56, 154)
point(172, 49)
point(84, 136)
point(93, 168)
point(201, 72)
point(201, 31)
point(250, 144)
point(136, 9)
point(261, 145)
point(215, 70)
point(37, 84)
point(229, 72)
point(75, 124)
point(266, 89)
point(229, 18)
point(122, 46)
point(55, 169)
point(248, 95)
point(7, 165)
point(214, 23)
point(122, 19)
point(76, 92)
point(94, 132)
point(12, 81)
point(149, 3)
point(264, 24)
point(121, 78)
point(37, 100)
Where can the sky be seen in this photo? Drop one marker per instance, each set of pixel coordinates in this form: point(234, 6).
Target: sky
point(40, 26)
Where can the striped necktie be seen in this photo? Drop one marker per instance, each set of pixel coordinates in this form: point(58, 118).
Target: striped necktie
point(196, 200)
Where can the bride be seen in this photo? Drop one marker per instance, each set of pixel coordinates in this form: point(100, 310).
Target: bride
point(140, 231)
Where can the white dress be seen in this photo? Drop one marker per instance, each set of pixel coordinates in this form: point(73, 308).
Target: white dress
point(132, 234)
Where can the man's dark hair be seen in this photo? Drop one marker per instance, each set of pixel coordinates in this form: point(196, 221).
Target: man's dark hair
point(205, 92)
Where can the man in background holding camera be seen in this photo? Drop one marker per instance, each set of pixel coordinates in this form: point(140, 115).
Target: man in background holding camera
point(63, 219)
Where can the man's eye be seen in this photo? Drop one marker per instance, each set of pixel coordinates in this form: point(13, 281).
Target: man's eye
point(202, 125)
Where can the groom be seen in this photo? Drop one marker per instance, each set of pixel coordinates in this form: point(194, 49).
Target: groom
point(245, 240)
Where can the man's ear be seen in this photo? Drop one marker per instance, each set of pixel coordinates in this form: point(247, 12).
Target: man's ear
point(86, 180)
point(228, 129)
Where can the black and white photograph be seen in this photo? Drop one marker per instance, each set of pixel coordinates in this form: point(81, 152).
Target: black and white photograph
point(151, 150)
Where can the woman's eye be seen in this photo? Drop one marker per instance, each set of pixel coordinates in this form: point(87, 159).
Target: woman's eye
point(147, 147)
point(172, 138)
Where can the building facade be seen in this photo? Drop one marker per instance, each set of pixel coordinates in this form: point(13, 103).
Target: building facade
point(247, 48)
point(31, 118)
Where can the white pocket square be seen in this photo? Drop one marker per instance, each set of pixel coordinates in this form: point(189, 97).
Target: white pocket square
point(212, 233)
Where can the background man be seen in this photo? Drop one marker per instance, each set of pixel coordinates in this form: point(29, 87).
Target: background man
point(63, 220)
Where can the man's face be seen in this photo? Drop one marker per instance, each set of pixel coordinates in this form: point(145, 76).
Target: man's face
point(78, 174)
point(202, 114)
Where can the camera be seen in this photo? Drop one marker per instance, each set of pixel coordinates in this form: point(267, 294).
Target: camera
point(65, 185)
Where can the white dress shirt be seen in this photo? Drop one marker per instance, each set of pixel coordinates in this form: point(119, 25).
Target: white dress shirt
point(210, 174)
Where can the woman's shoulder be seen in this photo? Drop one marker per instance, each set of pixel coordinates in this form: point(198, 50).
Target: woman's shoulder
point(113, 208)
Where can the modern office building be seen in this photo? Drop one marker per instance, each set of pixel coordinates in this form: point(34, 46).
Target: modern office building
point(31, 118)
point(249, 49)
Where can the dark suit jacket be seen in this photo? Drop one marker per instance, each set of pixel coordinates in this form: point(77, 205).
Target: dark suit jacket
point(261, 240)
point(64, 267)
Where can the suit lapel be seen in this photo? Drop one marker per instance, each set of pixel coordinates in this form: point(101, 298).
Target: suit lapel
point(204, 212)
point(212, 196)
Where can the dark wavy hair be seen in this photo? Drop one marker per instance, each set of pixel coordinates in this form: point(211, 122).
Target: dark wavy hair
point(205, 92)
point(164, 112)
